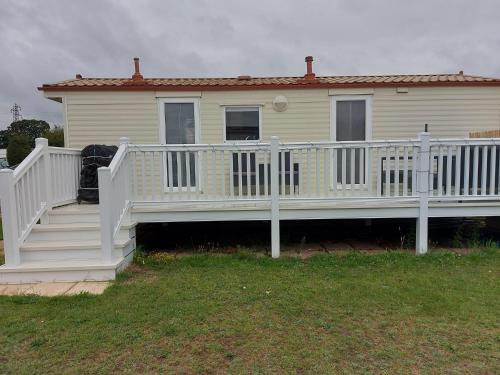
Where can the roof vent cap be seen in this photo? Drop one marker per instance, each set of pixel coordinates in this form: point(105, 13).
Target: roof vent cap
point(78, 76)
point(244, 78)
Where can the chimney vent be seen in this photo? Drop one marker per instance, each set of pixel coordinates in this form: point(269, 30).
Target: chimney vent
point(309, 75)
point(137, 76)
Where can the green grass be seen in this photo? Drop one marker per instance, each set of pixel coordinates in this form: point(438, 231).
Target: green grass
point(385, 313)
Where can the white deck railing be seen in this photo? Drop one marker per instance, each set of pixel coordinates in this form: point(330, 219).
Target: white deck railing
point(305, 170)
point(464, 168)
point(46, 178)
point(65, 166)
point(114, 198)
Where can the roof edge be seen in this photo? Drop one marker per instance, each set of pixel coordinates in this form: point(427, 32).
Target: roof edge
point(274, 86)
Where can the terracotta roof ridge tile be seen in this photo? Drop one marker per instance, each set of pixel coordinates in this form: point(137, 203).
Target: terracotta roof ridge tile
point(189, 83)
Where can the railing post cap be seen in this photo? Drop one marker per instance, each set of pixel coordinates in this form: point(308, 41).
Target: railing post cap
point(41, 142)
point(124, 140)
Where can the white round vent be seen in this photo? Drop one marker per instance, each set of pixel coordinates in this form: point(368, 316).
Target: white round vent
point(280, 103)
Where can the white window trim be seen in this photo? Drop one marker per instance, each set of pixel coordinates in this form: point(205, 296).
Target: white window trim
point(231, 141)
point(368, 127)
point(163, 138)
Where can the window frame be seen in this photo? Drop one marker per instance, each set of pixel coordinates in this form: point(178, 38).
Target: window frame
point(161, 115)
point(224, 125)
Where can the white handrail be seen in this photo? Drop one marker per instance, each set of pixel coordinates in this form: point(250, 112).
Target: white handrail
point(114, 198)
point(28, 162)
point(45, 178)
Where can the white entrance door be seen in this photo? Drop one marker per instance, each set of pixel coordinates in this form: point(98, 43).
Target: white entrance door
point(351, 121)
point(179, 125)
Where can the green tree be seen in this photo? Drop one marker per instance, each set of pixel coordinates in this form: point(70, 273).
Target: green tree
point(30, 128)
point(18, 149)
point(55, 137)
point(4, 138)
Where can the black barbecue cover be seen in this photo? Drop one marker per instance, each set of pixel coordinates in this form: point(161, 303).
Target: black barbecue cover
point(93, 157)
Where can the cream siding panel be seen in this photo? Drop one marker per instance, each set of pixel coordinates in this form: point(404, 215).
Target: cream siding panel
point(306, 119)
point(100, 117)
point(450, 112)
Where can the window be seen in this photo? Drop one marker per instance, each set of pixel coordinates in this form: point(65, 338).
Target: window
point(242, 123)
point(351, 120)
point(179, 123)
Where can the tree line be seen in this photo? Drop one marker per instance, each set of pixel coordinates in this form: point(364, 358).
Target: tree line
point(19, 138)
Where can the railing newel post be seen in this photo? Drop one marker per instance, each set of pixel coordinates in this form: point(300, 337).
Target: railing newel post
point(105, 196)
point(128, 192)
point(9, 213)
point(423, 193)
point(43, 143)
point(275, 210)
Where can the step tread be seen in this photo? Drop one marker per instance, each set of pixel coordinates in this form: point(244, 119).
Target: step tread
point(53, 227)
point(61, 265)
point(68, 245)
point(74, 210)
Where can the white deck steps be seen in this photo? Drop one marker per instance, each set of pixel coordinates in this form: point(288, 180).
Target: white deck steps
point(72, 231)
point(68, 248)
point(70, 270)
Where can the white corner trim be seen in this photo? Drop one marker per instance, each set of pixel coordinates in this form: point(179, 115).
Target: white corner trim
point(65, 122)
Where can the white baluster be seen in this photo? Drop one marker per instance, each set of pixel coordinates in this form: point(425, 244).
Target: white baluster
point(467, 170)
point(475, 170)
point(484, 170)
point(405, 170)
point(449, 159)
point(458, 169)
point(493, 159)
point(396, 171)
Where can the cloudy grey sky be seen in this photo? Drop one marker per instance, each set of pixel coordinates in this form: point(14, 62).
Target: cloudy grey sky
point(45, 41)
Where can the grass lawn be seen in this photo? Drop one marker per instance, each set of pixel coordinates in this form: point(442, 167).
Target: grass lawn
point(352, 313)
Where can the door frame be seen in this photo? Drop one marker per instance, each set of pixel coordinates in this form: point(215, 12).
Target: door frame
point(163, 139)
point(368, 127)
point(161, 114)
